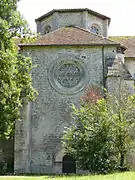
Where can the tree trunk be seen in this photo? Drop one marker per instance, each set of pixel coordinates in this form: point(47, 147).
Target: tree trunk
point(122, 158)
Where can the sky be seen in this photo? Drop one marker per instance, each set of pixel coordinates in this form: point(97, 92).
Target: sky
point(121, 12)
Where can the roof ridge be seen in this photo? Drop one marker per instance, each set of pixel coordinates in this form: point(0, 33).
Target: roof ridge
point(93, 33)
point(86, 30)
point(51, 32)
point(68, 35)
point(121, 36)
point(113, 40)
point(77, 27)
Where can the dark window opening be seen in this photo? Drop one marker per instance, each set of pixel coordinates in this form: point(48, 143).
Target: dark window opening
point(47, 29)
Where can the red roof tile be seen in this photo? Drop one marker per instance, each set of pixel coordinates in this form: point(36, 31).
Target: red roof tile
point(71, 36)
point(128, 42)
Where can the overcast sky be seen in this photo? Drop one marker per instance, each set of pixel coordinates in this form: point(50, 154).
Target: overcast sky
point(121, 12)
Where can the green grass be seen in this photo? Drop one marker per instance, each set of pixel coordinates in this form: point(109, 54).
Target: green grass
point(117, 176)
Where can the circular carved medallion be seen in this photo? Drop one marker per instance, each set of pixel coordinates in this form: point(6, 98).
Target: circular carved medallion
point(67, 76)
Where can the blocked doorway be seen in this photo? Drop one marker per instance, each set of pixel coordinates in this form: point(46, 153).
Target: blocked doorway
point(68, 165)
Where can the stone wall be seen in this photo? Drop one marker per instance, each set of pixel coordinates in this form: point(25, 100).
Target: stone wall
point(52, 110)
point(81, 19)
point(48, 21)
point(38, 136)
point(22, 141)
point(95, 20)
point(130, 63)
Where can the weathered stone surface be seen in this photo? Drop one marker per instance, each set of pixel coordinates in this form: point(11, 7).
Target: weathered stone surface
point(80, 19)
point(61, 75)
point(46, 118)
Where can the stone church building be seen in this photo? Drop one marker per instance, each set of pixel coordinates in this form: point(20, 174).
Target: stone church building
point(72, 53)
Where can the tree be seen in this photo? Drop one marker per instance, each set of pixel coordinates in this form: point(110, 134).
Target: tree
point(15, 80)
point(121, 108)
point(100, 137)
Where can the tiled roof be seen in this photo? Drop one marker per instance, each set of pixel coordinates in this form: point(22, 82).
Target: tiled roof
point(128, 42)
point(73, 10)
point(71, 36)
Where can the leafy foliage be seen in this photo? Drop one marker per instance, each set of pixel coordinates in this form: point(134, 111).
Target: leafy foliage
point(15, 79)
point(100, 137)
point(121, 108)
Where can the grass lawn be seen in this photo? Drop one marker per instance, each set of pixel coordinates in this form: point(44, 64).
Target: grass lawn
point(117, 176)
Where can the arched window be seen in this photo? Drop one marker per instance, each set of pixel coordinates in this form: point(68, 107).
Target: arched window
point(68, 164)
point(95, 29)
point(47, 29)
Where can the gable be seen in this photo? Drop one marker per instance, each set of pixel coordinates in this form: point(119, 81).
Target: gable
point(71, 36)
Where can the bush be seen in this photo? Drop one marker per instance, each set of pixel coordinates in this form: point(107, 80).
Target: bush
point(100, 136)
